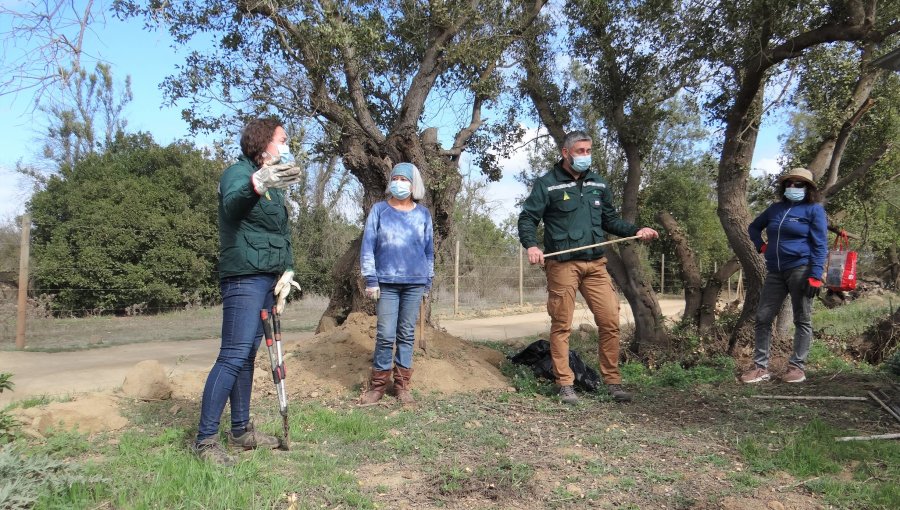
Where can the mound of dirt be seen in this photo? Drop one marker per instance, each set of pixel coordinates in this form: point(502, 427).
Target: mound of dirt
point(89, 414)
point(339, 360)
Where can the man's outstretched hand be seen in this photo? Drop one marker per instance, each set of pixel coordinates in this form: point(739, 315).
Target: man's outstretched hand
point(647, 234)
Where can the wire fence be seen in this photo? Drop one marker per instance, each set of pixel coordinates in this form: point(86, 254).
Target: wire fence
point(469, 277)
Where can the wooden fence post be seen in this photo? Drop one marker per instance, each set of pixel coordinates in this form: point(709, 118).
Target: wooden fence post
point(662, 275)
point(521, 276)
point(24, 253)
point(456, 280)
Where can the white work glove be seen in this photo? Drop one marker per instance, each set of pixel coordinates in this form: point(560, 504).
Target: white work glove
point(283, 288)
point(275, 176)
point(373, 293)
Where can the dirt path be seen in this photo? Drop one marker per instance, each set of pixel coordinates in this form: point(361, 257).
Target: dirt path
point(518, 326)
point(39, 373)
point(61, 373)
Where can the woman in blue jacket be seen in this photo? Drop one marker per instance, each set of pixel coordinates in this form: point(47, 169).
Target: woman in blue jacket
point(795, 249)
point(397, 262)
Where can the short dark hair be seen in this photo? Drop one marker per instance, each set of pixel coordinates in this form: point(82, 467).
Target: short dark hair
point(812, 194)
point(256, 137)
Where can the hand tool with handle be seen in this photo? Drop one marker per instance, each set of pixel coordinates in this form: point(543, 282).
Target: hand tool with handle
point(276, 358)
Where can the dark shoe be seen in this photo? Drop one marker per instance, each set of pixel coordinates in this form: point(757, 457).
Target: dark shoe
point(210, 450)
point(251, 439)
point(794, 374)
point(402, 376)
point(617, 393)
point(567, 394)
point(377, 386)
point(755, 375)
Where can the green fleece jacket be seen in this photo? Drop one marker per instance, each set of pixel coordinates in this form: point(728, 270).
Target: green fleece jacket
point(575, 213)
point(254, 236)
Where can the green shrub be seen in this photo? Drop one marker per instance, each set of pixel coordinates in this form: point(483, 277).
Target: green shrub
point(8, 424)
point(24, 479)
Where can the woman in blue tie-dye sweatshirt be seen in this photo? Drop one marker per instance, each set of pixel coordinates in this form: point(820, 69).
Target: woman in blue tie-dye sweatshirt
point(397, 262)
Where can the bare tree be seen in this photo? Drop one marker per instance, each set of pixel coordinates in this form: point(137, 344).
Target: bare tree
point(44, 40)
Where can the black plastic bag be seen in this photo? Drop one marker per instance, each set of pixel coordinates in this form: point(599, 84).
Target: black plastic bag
point(537, 356)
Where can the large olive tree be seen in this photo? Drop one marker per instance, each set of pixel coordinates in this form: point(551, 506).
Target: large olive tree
point(380, 75)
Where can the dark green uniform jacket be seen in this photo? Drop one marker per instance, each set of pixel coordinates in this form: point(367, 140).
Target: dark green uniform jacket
point(254, 237)
point(575, 213)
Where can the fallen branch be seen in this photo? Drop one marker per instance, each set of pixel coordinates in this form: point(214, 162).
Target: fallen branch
point(868, 438)
point(807, 397)
point(885, 406)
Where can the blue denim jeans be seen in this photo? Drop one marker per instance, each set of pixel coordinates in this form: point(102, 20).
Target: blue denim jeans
point(231, 378)
point(398, 311)
point(776, 287)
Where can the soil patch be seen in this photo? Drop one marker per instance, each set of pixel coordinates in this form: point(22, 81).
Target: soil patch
point(339, 360)
point(88, 414)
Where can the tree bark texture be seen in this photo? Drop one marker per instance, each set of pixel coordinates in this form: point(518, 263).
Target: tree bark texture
point(690, 271)
point(709, 298)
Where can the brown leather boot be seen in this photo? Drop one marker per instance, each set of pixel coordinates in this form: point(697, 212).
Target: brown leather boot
point(377, 386)
point(401, 385)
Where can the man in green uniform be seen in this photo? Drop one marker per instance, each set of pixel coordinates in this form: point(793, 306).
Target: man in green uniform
point(575, 205)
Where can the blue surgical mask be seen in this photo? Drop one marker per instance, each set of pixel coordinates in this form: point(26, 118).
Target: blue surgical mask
point(400, 189)
point(795, 194)
point(284, 154)
point(581, 163)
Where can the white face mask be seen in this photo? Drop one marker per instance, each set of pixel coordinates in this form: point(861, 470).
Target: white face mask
point(400, 189)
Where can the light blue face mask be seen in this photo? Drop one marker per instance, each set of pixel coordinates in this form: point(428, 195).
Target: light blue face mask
point(284, 154)
point(795, 194)
point(400, 189)
point(581, 163)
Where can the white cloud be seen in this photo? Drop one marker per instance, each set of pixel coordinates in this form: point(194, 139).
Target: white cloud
point(766, 166)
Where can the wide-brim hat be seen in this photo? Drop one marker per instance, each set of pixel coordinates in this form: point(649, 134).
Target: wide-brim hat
point(798, 174)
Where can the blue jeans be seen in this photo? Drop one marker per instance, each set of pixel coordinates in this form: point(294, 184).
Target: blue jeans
point(776, 287)
point(398, 311)
point(231, 378)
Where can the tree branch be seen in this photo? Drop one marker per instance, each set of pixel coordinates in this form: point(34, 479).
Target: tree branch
point(354, 84)
point(858, 171)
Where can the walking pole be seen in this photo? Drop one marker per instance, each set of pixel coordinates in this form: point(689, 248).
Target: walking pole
point(276, 360)
point(591, 246)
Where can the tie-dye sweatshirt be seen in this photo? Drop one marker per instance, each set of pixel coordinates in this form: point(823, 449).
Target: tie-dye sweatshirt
point(397, 246)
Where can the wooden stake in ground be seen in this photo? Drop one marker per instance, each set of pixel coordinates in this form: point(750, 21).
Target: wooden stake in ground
point(807, 397)
point(885, 406)
point(422, 343)
point(868, 438)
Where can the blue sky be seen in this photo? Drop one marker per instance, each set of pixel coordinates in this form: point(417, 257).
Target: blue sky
point(148, 58)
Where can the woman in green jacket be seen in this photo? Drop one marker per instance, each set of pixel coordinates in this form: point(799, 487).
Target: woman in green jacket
point(254, 269)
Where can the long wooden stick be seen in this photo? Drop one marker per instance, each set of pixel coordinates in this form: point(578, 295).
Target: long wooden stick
point(591, 246)
point(868, 438)
point(885, 406)
point(807, 397)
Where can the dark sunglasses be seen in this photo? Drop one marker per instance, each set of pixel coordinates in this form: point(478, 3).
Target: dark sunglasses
point(794, 184)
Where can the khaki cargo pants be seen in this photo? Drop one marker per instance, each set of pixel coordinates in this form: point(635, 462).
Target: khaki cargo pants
point(591, 278)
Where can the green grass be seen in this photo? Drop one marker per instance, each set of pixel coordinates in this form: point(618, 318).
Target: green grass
point(691, 431)
point(855, 317)
point(811, 454)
